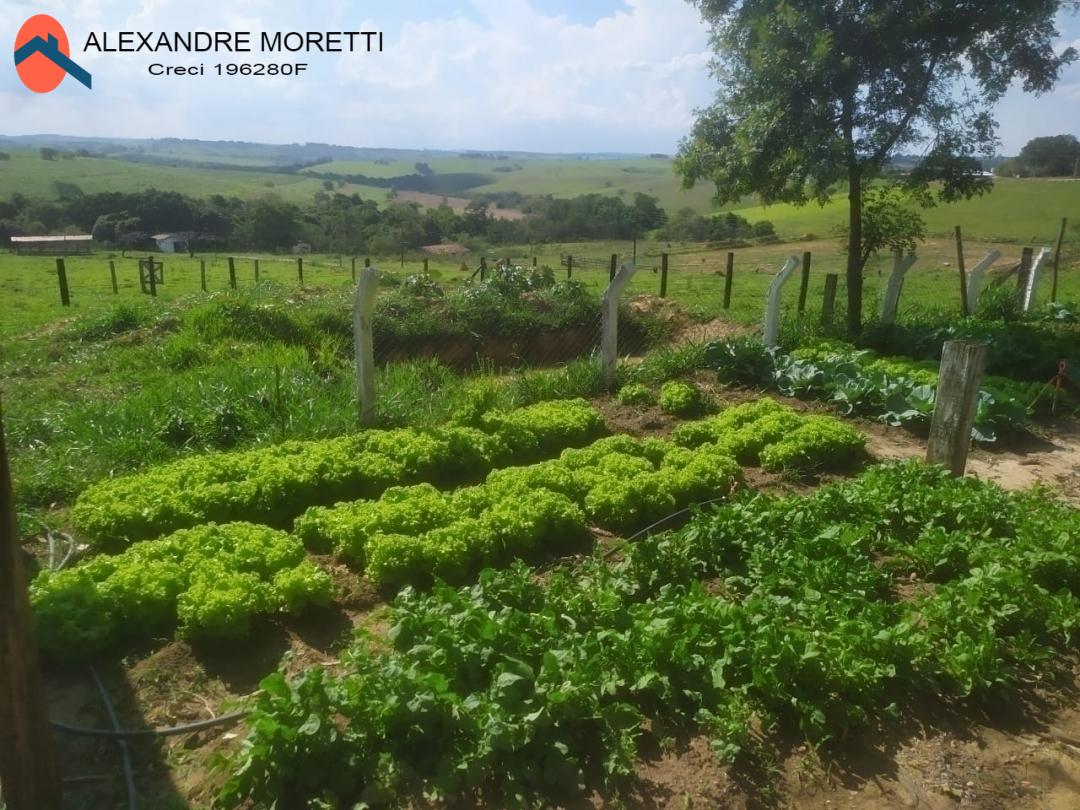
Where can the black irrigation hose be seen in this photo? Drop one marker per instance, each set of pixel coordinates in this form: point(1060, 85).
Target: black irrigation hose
point(129, 772)
point(86, 731)
point(660, 522)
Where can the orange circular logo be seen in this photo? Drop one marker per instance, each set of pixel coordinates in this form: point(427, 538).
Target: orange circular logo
point(38, 37)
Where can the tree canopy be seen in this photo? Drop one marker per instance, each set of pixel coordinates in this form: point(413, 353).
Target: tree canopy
point(817, 95)
point(1047, 156)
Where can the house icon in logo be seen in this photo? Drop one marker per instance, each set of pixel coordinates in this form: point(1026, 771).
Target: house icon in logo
point(43, 55)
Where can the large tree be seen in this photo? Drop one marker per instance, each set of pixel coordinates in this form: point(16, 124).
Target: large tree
point(1051, 156)
point(816, 94)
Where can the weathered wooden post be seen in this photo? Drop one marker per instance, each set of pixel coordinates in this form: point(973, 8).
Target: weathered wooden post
point(1022, 272)
point(828, 302)
point(367, 262)
point(534, 261)
point(352, 268)
point(300, 269)
point(483, 268)
point(29, 779)
point(202, 274)
point(425, 265)
point(804, 284)
point(1057, 259)
point(965, 310)
point(609, 323)
point(152, 276)
point(232, 273)
point(772, 306)
point(613, 268)
point(729, 277)
point(61, 275)
point(975, 277)
point(663, 274)
point(256, 271)
point(955, 404)
point(112, 277)
point(364, 344)
point(891, 301)
point(569, 266)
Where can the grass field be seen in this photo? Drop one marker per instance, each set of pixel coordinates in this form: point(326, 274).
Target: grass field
point(29, 285)
point(26, 173)
point(1028, 210)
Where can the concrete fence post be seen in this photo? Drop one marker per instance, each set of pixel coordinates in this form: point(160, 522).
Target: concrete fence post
point(891, 302)
point(1032, 282)
point(772, 306)
point(609, 323)
point(955, 404)
point(364, 344)
point(975, 277)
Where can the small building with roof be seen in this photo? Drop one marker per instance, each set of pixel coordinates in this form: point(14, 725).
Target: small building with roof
point(57, 245)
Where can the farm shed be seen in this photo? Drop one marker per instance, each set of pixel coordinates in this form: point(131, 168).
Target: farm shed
point(59, 244)
point(168, 242)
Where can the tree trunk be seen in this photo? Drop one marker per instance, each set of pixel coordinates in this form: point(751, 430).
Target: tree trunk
point(854, 253)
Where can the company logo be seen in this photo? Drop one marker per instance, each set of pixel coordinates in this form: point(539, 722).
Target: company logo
point(42, 55)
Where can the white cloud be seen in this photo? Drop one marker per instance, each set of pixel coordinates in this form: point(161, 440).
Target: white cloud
point(496, 74)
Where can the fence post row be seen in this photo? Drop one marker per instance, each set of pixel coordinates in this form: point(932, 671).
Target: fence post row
point(828, 302)
point(609, 323)
point(962, 364)
point(974, 281)
point(364, 344)
point(729, 277)
point(891, 302)
point(772, 306)
point(804, 284)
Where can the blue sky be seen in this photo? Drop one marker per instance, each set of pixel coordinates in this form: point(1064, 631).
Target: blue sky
point(544, 75)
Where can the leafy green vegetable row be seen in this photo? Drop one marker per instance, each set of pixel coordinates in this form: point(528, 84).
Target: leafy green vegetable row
point(518, 692)
point(273, 485)
point(415, 533)
point(895, 390)
point(618, 483)
point(207, 582)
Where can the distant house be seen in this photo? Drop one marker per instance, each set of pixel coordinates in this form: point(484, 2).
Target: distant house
point(169, 242)
point(54, 245)
point(301, 248)
point(449, 249)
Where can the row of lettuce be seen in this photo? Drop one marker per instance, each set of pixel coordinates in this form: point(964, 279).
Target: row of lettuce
point(818, 613)
point(894, 390)
point(272, 485)
point(210, 581)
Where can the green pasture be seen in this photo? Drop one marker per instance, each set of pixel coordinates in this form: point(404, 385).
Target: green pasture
point(29, 286)
point(28, 174)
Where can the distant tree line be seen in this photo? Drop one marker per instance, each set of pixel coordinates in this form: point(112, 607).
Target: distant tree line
point(335, 222)
point(1049, 156)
